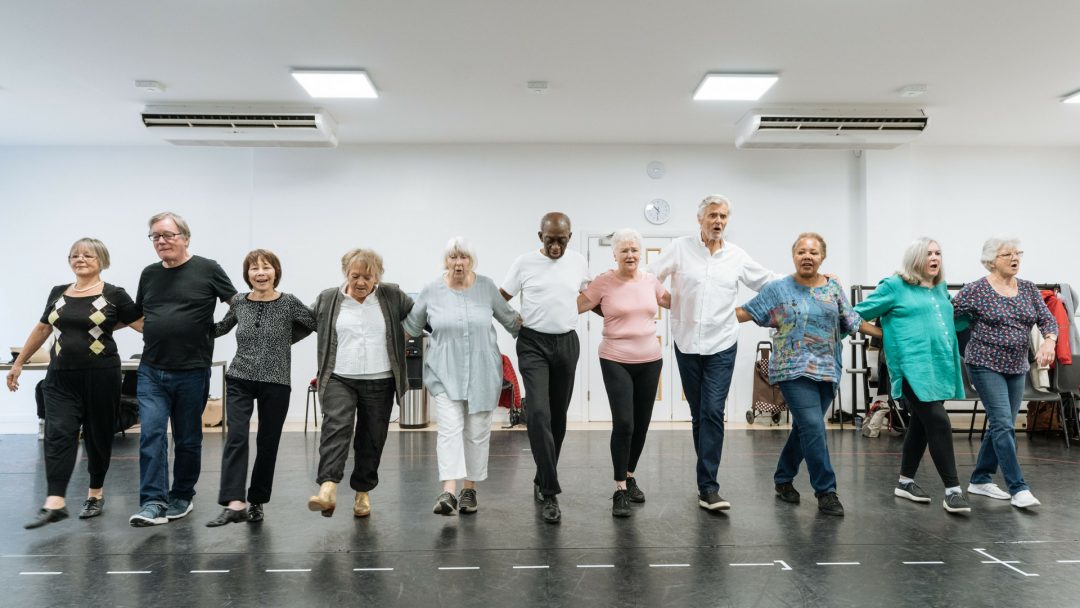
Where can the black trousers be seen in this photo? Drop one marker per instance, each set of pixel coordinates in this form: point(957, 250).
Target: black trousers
point(547, 363)
point(74, 399)
point(929, 426)
point(631, 390)
point(369, 403)
point(273, 404)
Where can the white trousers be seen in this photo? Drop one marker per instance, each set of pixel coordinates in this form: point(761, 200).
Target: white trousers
point(464, 440)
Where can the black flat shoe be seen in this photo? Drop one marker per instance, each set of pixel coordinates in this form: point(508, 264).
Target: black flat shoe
point(255, 513)
point(92, 508)
point(227, 516)
point(46, 516)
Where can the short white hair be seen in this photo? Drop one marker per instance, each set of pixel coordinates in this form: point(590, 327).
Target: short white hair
point(713, 199)
point(458, 244)
point(913, 266)
point(623, 235)
point(993, 246)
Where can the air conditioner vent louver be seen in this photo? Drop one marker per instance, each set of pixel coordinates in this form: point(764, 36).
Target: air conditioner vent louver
point(195, 126)
point(863, 128)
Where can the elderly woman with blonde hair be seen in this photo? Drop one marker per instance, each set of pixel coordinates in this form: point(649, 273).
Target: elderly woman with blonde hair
point(361, 359)
point(630, 357)
point(923, 359)
point(1003, 310)
point(462, 369)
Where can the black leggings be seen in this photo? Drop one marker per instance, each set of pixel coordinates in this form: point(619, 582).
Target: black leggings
point(929, 425)
point(74, 399)
point(631, 389)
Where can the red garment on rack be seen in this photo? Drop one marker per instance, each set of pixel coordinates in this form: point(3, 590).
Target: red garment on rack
point(1057, 308)
point(509, 397)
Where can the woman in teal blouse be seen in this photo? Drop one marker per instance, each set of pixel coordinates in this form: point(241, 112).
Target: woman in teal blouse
point(924, 364)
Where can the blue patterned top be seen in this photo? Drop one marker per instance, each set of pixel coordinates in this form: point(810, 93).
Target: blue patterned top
point(1001, 325)
point(810, 323)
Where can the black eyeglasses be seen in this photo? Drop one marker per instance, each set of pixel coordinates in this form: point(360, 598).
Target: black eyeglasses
point(158, 236)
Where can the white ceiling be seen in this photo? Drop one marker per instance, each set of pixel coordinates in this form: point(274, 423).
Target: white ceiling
point(620, 71)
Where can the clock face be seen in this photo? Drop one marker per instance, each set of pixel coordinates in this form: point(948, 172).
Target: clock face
point(657, 211)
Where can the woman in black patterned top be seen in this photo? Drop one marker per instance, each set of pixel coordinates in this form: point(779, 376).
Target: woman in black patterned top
point(260, 372)
point(82, 386)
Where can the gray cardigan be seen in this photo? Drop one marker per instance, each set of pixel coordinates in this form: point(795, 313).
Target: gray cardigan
point(395, 306)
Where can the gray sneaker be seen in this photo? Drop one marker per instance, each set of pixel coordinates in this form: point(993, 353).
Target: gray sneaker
point(956, 503)
point(467, 501)
point(911, 491)
point(445, 504)
point(149, 515)
point(178, 508)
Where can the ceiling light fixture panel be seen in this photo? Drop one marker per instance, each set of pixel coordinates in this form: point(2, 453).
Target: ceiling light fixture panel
point(734, 87)
point(339, 84)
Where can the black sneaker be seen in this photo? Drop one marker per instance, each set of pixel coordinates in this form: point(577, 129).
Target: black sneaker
point(92, 508)
point(911, 491)
point(445, 504)
point(712, 501)
point(537, 496)
point(956, 503)
point(551, 512)
point(787, 493)
point(228, 516)
point(633, 491)
point(255, 513)
point(829, 504)
point(467, 501)
point(620, 504)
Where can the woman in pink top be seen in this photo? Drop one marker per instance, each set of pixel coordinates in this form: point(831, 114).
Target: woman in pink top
point(630, 357)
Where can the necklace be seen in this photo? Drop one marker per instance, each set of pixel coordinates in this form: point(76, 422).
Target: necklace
point(77, 290)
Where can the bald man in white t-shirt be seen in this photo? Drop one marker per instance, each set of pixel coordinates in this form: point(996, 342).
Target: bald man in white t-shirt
point(548, 281)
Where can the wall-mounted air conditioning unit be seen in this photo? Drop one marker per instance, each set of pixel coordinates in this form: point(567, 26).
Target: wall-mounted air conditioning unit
point(241, 126)
point(837, 127)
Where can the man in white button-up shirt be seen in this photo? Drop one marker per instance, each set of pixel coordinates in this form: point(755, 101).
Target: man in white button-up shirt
point(705, 273)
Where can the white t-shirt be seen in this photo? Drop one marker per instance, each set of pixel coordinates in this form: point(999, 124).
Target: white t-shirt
point(361, 340)
point(548, 289)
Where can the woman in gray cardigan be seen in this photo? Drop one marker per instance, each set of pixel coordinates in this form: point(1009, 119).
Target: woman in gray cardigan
point(361, 352)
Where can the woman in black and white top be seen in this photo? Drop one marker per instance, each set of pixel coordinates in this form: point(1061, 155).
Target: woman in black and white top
point(260, 372)
point(82, 386)
point(361, 370)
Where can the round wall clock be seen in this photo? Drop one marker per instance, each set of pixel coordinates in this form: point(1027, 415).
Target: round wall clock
point(657, 211)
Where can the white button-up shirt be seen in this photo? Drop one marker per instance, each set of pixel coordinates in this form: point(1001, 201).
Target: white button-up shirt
point(361, 346)
point(704, 287)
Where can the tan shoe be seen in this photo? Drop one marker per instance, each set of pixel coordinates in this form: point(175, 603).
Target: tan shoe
point(326, 500)
point(362, 505)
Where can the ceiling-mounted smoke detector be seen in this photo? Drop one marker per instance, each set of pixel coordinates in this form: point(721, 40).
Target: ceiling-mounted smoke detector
point(241, 126)
point(835, 127)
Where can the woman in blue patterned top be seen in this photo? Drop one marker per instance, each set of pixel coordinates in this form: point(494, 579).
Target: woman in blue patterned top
point(82, 386)
point(462, 369)
point(810, 315)
point(1003, 309)
point(260, 373)
point(924, 364)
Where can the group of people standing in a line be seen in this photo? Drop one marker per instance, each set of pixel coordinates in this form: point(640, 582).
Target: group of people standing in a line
point(362, 326)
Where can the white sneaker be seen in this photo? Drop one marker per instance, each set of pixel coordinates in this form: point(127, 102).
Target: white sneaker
point(988, 489)
point(1024, 499)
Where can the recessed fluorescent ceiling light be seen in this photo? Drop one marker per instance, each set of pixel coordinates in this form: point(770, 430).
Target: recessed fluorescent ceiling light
point(1072, 98)
point(734, 87)
point(336, 83)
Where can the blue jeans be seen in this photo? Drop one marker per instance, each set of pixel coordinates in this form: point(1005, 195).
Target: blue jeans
point(1001, 395)
point(808, 400)
point(179, 395)
point(706, 380)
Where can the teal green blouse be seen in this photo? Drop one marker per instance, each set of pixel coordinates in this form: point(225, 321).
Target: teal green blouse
point(920, 338)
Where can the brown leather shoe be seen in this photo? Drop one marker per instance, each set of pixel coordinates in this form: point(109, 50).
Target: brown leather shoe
point(326, 500)
point(362, 505)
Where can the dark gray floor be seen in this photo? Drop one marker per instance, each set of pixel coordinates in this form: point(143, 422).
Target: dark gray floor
point(886, 552)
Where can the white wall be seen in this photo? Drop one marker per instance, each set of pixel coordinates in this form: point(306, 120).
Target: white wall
point(405, 201)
